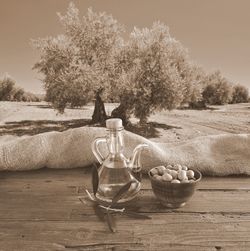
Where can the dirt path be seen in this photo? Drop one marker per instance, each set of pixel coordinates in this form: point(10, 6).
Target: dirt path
point(193, 123)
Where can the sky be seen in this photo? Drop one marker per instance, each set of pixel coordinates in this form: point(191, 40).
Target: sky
point(216, 32)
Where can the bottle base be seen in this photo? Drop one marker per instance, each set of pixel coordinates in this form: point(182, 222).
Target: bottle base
point(108, 200)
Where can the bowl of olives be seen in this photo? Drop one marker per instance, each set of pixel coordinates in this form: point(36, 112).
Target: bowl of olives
point(174, 185)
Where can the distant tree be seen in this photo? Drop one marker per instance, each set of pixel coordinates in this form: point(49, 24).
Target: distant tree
point(6, 88)
point(26, 98)
point(218, 90)
point(30, 97)
point(78, 65)
point(240, 94)
point(17, 94)
point(194, 84)
point(153, 67)
point(9, 91)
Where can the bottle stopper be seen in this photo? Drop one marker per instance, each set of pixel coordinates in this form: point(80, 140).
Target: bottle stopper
point(114, 124)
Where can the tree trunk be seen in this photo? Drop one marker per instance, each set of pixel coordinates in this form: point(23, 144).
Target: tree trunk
point(99, 115)
point(143, 120)
point(122, 113)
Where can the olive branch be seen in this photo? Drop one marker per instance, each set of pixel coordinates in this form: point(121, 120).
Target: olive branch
point(102, 210)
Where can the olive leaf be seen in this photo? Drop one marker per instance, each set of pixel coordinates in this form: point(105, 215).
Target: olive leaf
point(99, 212)
point(111, 222)
point(90, 196)
point(95, 179)
point(121, 193)
point(137, 175)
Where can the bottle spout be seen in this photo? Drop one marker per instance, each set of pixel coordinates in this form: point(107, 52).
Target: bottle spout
point(135, 160)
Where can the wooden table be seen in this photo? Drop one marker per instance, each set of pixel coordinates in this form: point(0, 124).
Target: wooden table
point(41, 210)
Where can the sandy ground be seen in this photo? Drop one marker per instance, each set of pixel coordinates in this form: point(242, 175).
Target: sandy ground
point(192, 123)
point(179, 125)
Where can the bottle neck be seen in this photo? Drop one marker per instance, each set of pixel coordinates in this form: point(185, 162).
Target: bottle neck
point(115, 141)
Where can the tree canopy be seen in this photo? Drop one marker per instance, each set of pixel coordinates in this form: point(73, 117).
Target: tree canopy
point(218, 90)
point(240, 94)
point(156, 72)
point(79, 62)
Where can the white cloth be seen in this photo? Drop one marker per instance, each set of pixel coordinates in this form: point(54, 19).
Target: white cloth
point(212, 155)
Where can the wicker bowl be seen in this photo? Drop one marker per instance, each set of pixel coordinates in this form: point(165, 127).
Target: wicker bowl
point(174, 195)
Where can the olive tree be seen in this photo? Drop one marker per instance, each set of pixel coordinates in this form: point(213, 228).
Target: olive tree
point(9, 91)
point(78, 64)
point(153, 72)
point(218, 90)
point(18, 94)
point(240, 94)
point(7, 85)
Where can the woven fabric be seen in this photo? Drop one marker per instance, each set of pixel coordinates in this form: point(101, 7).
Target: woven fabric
point(218, 155)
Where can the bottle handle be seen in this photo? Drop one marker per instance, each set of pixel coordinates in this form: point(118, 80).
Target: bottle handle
point(95, 149)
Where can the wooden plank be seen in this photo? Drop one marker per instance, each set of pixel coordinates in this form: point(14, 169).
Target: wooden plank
point(59, 206)
point(81, 177)
point(46, 174)
point(45, 181)
point(93, 246)
point(67, 187)
point(28, 196)
point(225, 183)
point(190, 231)
point(202, 202)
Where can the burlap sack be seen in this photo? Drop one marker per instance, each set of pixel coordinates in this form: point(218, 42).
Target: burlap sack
point(212, 155)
